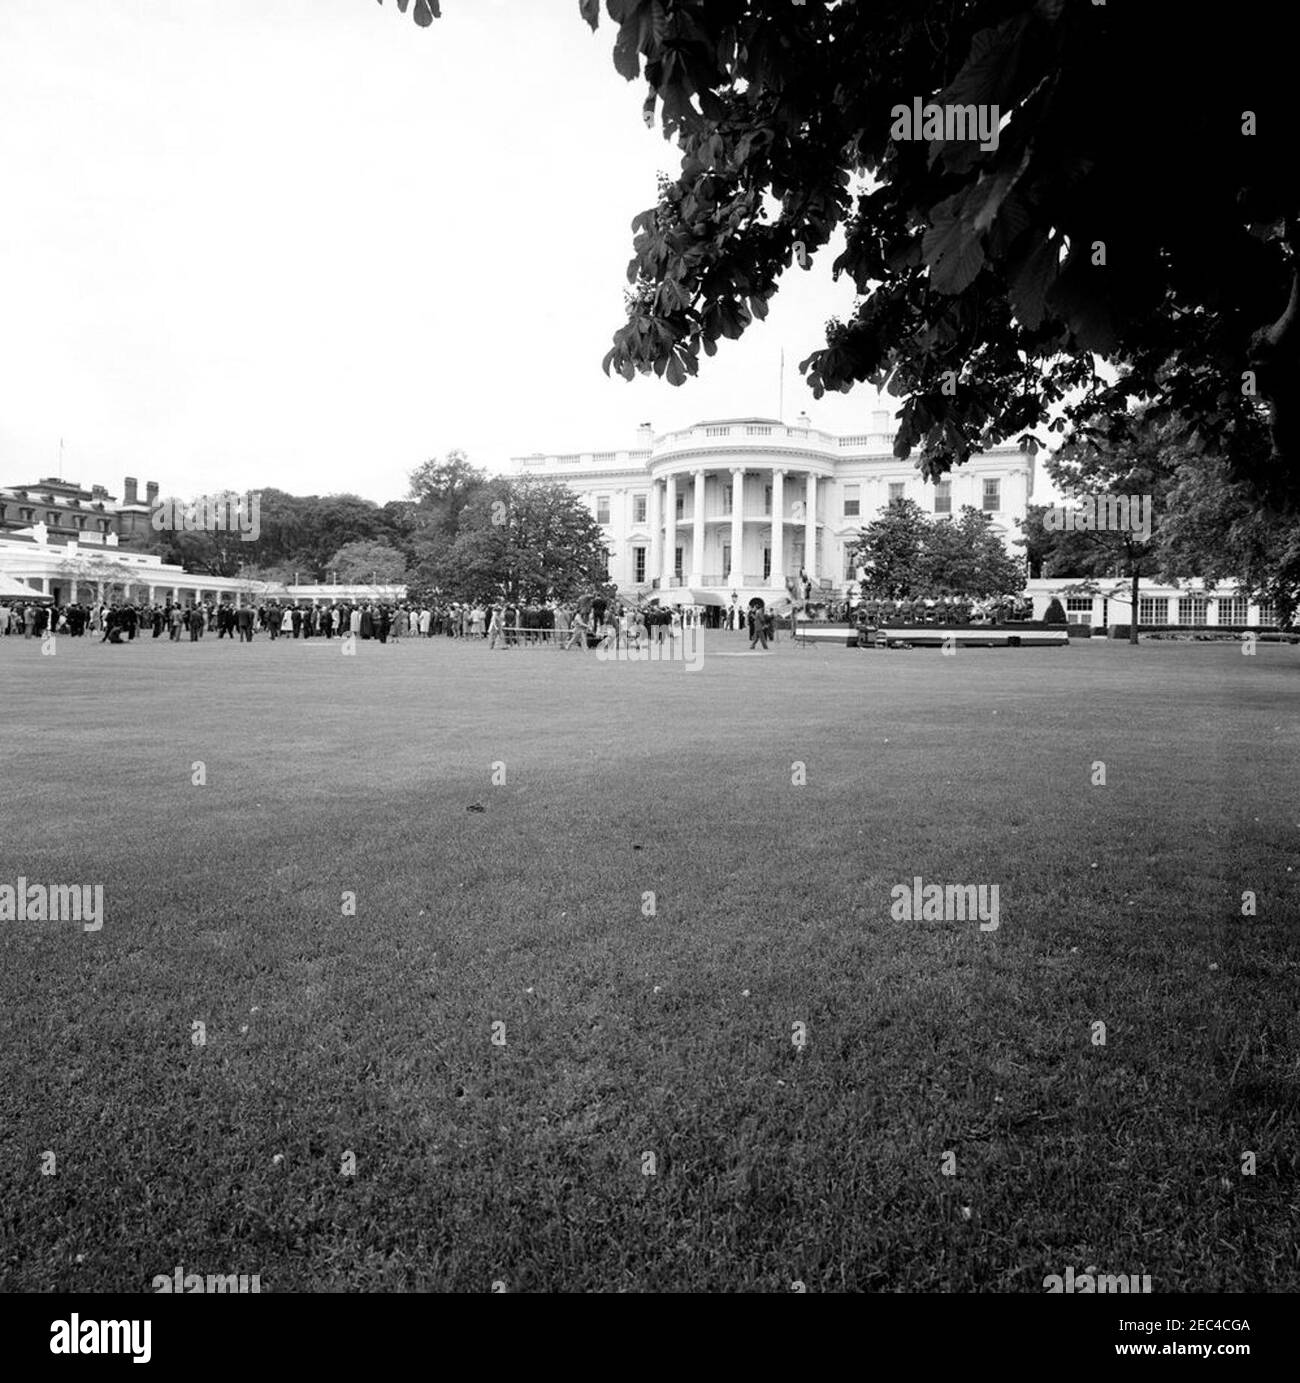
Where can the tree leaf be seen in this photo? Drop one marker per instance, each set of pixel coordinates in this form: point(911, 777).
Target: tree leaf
point(1028, 284)
point(952, 250)
point(627, 61)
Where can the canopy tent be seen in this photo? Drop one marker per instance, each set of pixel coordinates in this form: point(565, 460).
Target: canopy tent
point(16, 590)
point(694, 597)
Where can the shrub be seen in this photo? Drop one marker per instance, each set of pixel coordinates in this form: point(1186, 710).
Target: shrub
point(1266, 632)
point(1055, 613)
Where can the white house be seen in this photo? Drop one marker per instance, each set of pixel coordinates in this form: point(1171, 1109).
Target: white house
point(737, 505)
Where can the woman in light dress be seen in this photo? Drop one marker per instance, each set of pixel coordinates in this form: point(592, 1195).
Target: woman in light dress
point(286, 623)
point(476, 622)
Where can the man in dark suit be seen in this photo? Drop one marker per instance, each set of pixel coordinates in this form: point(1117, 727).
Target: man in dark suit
point(757, 627)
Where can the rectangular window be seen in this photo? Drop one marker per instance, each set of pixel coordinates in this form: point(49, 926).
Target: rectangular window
point(992, 496)
point(1153, 610)
point(850, 565)
point(1267, 614)
point(681, 504)
point(726, 499)
point(677, 563)
point(896, 488)
point(767, 563)
point(852, 501)
point(726, 560)
point(943, 497)
point(1232, 609)
point(602, 508)
point(638, 564)
point(767, 499)
point(1192, 609)
point(1078, 609)
point(638, 508)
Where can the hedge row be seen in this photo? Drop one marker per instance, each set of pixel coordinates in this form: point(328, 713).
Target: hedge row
point(1121, 631)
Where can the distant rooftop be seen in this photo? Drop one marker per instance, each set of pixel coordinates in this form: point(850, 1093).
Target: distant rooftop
point(719, 422)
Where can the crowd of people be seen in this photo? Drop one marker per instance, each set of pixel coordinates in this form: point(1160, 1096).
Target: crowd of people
point(942, 610)
point(589, 622)
point(583, 623)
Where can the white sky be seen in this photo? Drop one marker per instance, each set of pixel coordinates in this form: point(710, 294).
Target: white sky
point(305, 244)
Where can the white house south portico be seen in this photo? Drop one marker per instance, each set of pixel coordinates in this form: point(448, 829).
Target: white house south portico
point(741, 505)
point(738, 501)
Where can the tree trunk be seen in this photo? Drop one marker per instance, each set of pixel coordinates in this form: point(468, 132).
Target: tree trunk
point(1133, 623)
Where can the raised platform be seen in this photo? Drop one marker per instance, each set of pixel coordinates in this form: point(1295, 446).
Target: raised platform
point(1025, 635)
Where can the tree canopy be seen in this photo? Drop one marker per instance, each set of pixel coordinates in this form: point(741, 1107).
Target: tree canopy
point(520, 539)
point(368, 561)
point(1139, 205)
point(904, 554)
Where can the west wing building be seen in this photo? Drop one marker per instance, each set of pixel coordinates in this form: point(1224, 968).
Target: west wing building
point(738, 505)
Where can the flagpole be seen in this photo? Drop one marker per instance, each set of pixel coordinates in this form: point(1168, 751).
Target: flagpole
point(781, 412)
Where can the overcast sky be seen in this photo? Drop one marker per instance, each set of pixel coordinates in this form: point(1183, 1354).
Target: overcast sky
point(305, 244)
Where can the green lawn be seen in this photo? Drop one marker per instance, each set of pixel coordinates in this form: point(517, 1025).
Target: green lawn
point(628, 1034)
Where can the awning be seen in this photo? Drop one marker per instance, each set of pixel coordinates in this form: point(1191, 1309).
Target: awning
point(11, 589)
point(690, 596)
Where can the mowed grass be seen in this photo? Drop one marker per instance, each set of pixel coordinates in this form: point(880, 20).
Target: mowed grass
point(629, 1035)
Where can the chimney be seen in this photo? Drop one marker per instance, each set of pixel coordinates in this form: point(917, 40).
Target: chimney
point(151, 493)
point(128, 490)
point(646, 434)
point(98, 492)
point(804, 420)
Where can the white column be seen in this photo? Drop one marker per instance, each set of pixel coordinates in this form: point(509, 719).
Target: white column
point(810, 529)
point(670, 528)
point(656, 564)
point(736, 576)
point(778, 529)
point(697, 533)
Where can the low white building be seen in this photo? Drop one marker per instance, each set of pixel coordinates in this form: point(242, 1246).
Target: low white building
point(737, 505)
point(73, 572)
point(1110, 601)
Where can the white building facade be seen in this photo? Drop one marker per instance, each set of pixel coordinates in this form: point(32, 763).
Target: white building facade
point(1101, 601)
point(70, 573)
point(738, 505)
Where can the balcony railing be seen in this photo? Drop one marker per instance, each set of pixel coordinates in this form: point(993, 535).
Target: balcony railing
point(722, 432)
